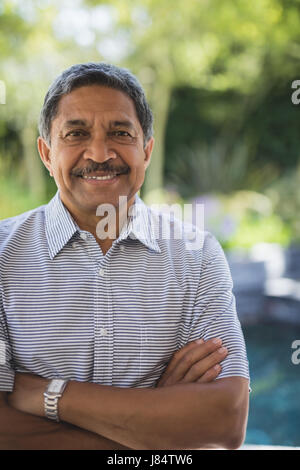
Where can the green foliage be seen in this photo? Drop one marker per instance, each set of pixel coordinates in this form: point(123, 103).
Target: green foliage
point(256, 220)
point(252, 230)
point(216, 143)
point(13, 29)
point(207, 168)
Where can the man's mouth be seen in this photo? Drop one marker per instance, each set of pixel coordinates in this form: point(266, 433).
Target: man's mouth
point(102, 175)
point(100, 172)
point(109, 176)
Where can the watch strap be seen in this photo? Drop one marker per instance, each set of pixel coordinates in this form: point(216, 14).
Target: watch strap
point(51, 407)
point(51, 399)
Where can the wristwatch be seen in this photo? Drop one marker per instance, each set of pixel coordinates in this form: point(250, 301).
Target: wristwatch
point(53, 392)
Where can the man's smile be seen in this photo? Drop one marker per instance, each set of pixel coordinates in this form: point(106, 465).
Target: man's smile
point(101, 177)
point(100, 171)
point(96, 180)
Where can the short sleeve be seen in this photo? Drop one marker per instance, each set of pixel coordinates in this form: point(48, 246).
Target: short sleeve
point(215, 310)
point(7, 374)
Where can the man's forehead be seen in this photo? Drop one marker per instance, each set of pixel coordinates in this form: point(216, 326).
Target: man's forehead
point(86, 103)
point(98, 95)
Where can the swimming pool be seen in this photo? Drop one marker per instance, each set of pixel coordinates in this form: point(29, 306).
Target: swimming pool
point(274, 413)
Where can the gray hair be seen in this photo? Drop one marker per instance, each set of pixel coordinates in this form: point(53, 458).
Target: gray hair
point(95, 74)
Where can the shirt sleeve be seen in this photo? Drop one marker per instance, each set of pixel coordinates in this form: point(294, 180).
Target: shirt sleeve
point(7, 374)
point(215, 310)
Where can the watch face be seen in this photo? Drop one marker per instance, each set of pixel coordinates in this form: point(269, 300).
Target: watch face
point(55, 385)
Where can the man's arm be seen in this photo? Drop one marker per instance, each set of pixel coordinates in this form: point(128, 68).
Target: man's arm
point(183, 416)
point(181, 413)
point(22, 431)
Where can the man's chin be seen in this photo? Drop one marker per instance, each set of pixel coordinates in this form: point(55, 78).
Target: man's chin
point(91, 205)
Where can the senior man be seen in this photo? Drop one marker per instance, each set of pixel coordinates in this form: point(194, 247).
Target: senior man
point(112, 342)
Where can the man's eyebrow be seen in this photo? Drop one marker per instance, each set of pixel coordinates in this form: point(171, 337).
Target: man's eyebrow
point(127, 124)
point(82, 122)
point(76, 122)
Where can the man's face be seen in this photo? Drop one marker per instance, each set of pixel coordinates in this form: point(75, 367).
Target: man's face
point(97, 149)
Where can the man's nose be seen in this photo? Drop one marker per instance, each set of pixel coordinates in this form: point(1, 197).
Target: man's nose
point(99, 151)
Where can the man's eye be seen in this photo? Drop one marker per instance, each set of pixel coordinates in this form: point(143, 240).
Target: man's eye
point(122, 137)
point(121, 134)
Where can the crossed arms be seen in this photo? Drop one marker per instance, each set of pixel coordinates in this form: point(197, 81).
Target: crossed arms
point(187, 409)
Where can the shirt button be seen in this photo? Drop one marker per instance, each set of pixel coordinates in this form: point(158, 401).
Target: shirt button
point(103, 332)
point(101, 272)
point(122, 247)
point(83, 236)
point(74, 245)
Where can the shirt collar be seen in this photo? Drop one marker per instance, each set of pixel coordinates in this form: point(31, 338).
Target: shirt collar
point(141, 225)
point(60, 225)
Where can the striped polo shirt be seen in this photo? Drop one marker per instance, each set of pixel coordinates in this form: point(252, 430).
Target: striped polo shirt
point(67, 310)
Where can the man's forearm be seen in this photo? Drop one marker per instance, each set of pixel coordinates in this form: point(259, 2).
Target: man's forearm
point(188, 409)
point(185, 416)
point(22, 431)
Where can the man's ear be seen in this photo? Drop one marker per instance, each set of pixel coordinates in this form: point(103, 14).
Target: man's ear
point(44, 151)
point(148, 152)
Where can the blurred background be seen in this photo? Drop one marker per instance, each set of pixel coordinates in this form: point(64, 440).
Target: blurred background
point(218, 76)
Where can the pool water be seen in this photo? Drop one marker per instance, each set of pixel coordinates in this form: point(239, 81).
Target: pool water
point(274, 413)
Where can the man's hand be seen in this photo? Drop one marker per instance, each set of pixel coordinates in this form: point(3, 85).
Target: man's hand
point(198, 361)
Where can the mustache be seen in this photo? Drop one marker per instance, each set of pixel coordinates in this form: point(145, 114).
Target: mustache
point(94, 166)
